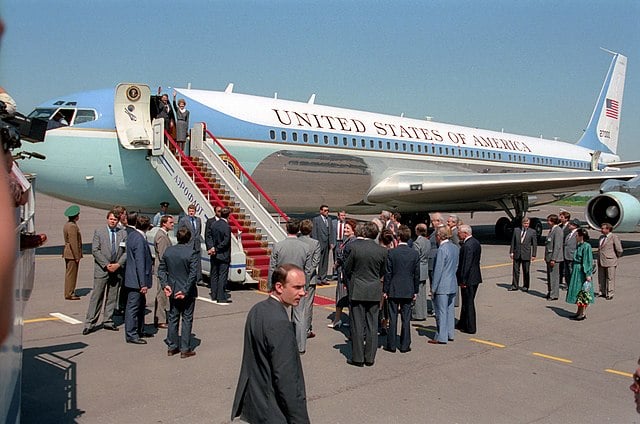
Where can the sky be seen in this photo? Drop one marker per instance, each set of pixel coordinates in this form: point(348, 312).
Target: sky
point(526, 67)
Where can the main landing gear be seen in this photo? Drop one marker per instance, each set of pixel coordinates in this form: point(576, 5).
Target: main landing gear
point(504, 226)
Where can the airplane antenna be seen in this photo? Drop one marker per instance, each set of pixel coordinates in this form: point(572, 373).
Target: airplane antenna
point(428, 118)
point(188, 86)
point(312, 99)
point(275, 95)
point(229, 88)
point(402, 115)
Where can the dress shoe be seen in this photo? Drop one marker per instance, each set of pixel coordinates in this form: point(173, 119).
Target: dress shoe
point(137, 341)
point(187, 354)
point(355, 364)
point(436, 342)
point(172, 352)
point(525, 289)
point(311, 335)
point(551, 299)
point(369, 364)
point(222, 302)
point(336, 324)
point(87, 331)
point(513, 289)
point(163, 325)
point(405, 350)
point(389, 349)
point(74, 297)
point(418, 319)
point(609, 297)
point(580, 318)
point(110, 327)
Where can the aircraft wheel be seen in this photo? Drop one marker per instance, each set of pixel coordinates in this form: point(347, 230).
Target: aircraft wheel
point(536, 224)
point(503, 228)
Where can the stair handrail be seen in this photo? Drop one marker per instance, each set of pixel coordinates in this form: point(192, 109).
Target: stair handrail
point(253, 182)
point(197, 175)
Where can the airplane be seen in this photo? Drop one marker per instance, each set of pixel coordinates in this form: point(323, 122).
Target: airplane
point(304, 154)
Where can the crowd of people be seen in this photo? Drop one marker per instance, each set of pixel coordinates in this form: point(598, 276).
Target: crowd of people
point(569, 260)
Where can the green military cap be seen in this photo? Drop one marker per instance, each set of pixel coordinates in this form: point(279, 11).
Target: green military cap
point(72, 210)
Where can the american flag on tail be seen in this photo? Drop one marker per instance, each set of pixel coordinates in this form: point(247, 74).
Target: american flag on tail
point(612, 109)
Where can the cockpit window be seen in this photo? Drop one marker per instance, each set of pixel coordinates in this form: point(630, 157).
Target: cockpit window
point(64, 116)
point(84, 115)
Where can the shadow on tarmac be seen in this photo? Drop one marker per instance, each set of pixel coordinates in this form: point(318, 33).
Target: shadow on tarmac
point(49, 390)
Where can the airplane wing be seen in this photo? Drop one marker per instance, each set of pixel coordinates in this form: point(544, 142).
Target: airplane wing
point(428, 187)
point(628, 164)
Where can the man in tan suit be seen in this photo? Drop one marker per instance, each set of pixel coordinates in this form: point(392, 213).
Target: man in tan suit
point(609, 250)
point(72, 251)
point(161, 241)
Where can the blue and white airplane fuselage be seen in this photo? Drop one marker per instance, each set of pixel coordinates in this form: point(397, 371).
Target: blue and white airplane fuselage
point(304, 155)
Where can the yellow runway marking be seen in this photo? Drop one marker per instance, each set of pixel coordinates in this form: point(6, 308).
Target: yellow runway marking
point(487, 342)
point(30, 321)
point(555, 358)
point(624, 374)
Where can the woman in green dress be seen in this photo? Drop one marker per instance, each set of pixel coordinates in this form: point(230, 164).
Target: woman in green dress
point(580, 290)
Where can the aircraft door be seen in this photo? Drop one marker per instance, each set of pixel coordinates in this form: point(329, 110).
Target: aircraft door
point(133, 121)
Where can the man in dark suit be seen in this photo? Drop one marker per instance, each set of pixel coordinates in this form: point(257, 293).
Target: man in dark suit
point(137, 277)
point(271, 385)
point(524, 245)
point(109, 257)
point(365, 267)
point(569, 248)
point(401, 286)
point(177, 276)
point(323, 232)
point(194, 225)
point(469, 277)
point(218, 242)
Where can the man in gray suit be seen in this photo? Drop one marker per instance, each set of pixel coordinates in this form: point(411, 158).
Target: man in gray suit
point(194, 225)
point(160, 242)
point(365, 267)
point(291, 250)
point(109, 259)
point(306, 226)
point(177, 276)
point(524, 245)
point(271, 383)
point(553, 255)
point(570, 246)
point(423, 246)
point(323, 232)
point(444, 286)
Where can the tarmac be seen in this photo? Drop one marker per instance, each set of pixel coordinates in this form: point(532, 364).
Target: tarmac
point(528, 362)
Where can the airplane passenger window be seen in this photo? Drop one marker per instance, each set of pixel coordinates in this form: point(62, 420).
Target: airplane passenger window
point(362, 142)
point(404, 147)
point(371, 144)
point(84, 115)
point(354, 143)
point(395, 146)
point(272, 135)
point(326, 139)
point(419, 148)
point(411, 147)
point(440, 150)
point(344, 141)
point(295, 136)
point(335, 141)
point(284, 136)
point(388, 145)
point(379, 144)
point(305, 137)
point(315, 138)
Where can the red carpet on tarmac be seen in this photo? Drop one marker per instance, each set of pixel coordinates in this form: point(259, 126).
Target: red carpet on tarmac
point(323, 301)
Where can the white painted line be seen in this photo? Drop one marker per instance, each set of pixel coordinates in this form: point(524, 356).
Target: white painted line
point(204, 299)
point(65, 318)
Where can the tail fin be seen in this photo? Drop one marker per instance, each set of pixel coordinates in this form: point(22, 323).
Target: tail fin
point(602, 132)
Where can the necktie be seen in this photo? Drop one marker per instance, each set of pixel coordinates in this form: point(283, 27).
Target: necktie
point(193, 223)
point(524, 233)
point(113, 245)
point(340, 230)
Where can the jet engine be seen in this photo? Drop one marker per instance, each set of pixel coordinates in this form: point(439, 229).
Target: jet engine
point(622, 210)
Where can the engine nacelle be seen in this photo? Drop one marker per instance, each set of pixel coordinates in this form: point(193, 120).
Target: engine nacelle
point(622, 210)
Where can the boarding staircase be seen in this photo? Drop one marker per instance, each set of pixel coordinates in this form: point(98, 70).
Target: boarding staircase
point(205, 179)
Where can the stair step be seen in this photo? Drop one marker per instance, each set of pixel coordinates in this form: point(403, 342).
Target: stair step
point(256, 251)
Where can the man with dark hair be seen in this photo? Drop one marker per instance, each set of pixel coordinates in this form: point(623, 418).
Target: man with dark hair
point(569, 249)
point(365, 267)
point(553, 255)
point(177, 276)
point(218, 242)
point(161, 242)
point(523, 251)
point(109, 257)
point(292, 250)
point(422, 245)
point(137, 277)
point(271, 385)
point(401, 286)
point(194, 225)
point(323, 232)
point(306, 226)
